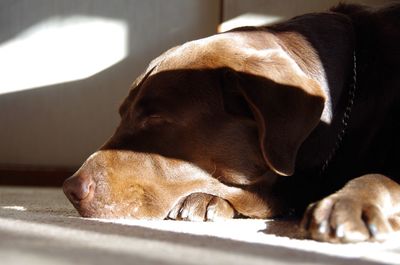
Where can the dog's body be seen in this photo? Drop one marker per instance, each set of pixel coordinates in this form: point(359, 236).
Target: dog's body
point(214, 128)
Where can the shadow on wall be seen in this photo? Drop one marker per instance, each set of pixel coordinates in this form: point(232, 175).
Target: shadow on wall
point(239, 13)
point(279, 10)
point(66, 66)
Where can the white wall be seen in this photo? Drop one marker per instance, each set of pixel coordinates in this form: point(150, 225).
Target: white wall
point(62, 123)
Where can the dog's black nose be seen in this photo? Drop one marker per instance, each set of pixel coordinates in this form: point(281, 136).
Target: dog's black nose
point(79, 187)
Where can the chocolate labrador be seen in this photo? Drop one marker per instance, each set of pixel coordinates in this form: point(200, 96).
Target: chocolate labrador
point(258, 122)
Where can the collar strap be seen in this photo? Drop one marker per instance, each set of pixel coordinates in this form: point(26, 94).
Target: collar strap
point(345, 118)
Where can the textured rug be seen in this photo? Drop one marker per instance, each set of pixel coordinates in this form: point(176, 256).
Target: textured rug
point(39, 226)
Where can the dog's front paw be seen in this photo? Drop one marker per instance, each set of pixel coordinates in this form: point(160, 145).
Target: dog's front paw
point(202, 207)
point(345, 219)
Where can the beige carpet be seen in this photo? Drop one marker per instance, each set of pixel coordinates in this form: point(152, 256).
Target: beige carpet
point(39, 226)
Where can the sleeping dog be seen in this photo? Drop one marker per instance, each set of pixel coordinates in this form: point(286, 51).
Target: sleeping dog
point(258, 122)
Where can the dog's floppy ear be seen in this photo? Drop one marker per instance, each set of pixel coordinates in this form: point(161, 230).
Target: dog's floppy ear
point(286, 106)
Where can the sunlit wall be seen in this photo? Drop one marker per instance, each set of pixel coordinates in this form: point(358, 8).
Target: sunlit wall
point(61, 49)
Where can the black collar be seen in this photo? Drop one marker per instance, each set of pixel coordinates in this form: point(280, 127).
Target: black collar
point(345, 118)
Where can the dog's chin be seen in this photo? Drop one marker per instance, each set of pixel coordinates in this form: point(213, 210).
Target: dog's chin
point(120, 214)
point(113, 210)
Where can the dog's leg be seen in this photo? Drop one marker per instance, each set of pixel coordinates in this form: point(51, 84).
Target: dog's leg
point(366, 208)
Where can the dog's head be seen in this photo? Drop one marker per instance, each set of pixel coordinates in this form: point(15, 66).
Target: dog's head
point(221, 115)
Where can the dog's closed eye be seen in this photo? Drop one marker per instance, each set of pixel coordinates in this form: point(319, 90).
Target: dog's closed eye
point(153, 120)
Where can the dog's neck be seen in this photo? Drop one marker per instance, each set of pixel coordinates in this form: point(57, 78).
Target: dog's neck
point(329, 133)
point(329, 59)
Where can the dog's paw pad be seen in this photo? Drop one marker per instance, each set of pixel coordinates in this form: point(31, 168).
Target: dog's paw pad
point(202, 207)
point(346, 220)
point(219, 209)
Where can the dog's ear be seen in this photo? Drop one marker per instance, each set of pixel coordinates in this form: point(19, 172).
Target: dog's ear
point(286, 106)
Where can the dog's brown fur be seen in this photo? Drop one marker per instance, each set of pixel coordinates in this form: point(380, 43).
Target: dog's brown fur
point(242, 123)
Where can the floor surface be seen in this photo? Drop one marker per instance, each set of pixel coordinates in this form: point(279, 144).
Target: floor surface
point(39, 226)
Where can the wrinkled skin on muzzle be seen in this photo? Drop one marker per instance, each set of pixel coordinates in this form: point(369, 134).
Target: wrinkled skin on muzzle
point(146, 186)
